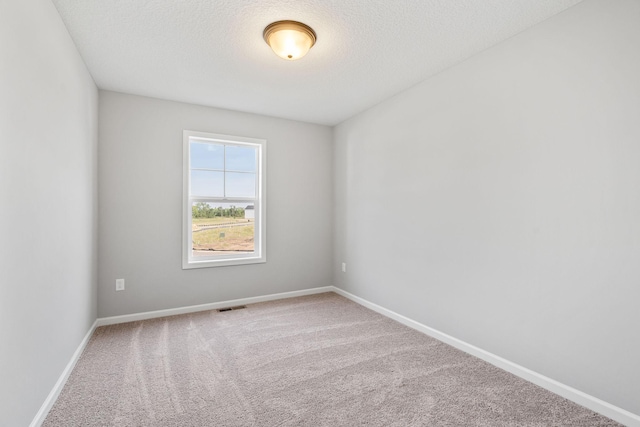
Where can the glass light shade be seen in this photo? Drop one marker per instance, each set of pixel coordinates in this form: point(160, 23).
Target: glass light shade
point(289, 40)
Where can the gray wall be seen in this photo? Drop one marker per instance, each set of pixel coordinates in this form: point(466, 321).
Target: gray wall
point(140, 190)
point(48, 140)
point(499, 201)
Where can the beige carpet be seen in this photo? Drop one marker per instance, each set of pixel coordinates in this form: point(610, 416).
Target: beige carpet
point(320, 360)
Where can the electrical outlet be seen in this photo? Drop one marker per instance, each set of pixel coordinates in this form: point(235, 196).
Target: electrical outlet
point(119, 284)
point(344, 267)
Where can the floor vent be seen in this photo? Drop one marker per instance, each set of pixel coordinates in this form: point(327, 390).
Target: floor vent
point(238, 307)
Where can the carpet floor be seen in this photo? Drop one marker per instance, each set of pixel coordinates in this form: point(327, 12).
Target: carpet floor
point(318, 360)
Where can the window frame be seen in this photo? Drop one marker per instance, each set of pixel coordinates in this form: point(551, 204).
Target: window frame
point(259, 254)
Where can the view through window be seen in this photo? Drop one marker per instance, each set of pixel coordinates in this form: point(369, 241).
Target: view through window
point(224, 195)
point(217, 229)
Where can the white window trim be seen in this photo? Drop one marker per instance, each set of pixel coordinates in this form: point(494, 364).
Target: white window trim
point(260, 253)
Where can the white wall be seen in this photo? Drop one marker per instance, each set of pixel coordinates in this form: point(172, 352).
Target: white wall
point(140, 190)
point(48, 140)
point(524, 164)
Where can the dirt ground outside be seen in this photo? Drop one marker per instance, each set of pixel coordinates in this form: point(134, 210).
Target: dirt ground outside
point(222, 235)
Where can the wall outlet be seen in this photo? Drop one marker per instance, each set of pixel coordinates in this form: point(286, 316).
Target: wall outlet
point(344, 267)
point(119, 284)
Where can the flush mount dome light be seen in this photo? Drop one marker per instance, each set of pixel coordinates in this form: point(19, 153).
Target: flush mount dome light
point(290, 40)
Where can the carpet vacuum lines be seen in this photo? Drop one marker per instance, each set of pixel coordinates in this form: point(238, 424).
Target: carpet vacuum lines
point(316, 360)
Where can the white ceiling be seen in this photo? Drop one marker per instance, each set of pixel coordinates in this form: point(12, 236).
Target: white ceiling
point(211, 52)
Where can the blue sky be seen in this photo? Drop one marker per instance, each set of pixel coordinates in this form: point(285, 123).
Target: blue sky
point(219, 172)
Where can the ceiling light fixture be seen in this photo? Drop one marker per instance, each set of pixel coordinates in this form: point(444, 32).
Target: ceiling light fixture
point(290, 40)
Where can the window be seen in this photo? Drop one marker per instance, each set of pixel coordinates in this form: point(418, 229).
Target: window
point(223, 200)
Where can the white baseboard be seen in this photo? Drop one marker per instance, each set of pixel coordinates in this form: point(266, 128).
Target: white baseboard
point(57, 388)
point(597, 405)
point(211, 306)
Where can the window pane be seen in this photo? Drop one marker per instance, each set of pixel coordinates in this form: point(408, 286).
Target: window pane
point(206, 156)
point(207, 183)
point(240, 185)
point(221, 229)
point(240, 158)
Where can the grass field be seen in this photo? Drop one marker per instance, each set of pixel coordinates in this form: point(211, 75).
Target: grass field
point(235, 238)
point(217, 220)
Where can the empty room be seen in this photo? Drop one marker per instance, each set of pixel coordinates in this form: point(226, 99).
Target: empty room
point(319, 213)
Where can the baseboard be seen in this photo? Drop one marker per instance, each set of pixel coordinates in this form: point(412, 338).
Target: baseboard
point(597, 405)
point(57, 388)
point(211, 306)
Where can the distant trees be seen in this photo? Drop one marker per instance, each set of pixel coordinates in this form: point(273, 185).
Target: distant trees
point(204, 210)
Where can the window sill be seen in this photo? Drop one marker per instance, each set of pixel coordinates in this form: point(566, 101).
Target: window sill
point(208, 263)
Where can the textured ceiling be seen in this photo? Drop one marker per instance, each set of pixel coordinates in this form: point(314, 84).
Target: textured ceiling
point(211, 52)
